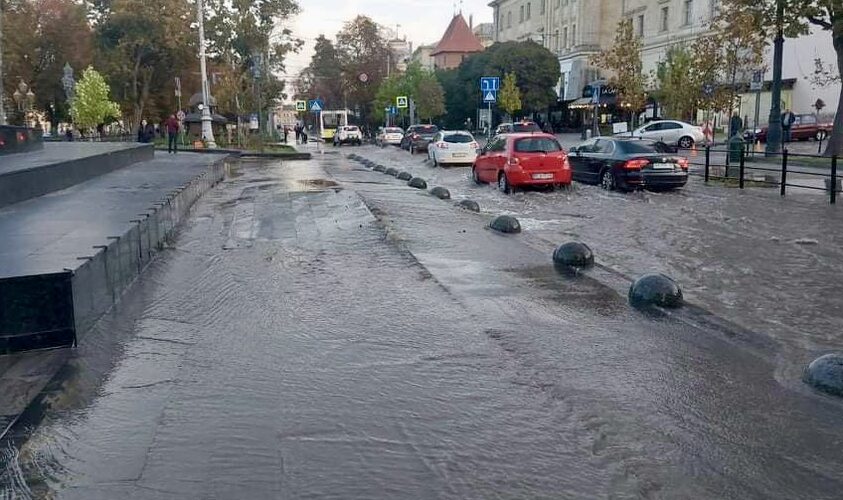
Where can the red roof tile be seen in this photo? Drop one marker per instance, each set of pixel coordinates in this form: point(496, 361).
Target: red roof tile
point(458, 38)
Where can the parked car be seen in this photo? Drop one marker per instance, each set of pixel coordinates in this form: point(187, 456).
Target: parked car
point(389, 135)
point(682, 134)
point(522, 126)
point(418, 137)
point(452, 146)
point(348, 134)
point(523, 159)
point(805, 127)
point(627, 164)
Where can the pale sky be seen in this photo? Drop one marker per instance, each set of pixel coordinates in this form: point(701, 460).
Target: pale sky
point(422, 21)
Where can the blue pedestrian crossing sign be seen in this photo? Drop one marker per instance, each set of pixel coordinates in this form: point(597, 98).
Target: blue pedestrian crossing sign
point(490, 96)
point(392, 110)
point(489, 84)
point(315, 105)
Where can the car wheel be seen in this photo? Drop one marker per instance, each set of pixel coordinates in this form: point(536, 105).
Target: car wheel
point(503, 184)
point(821, 135)
point(686, 142)
point(607, 180)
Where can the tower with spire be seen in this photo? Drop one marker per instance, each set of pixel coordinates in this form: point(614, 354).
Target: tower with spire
point(456, 44)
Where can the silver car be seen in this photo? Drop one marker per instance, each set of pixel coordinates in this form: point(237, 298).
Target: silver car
point(684, 135)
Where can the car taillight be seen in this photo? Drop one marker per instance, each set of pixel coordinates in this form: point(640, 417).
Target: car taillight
point(473, 145)
point(513, 161)
point(414, 136)
point(442, 145)
point(635, 164)
point(683, 163)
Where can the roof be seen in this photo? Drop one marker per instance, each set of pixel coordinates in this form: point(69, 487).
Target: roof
point(458, 38)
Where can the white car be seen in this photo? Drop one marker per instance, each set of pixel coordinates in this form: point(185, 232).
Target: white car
point(682, 134)
point(452, 146)
point(348, 134)
point(390, 135)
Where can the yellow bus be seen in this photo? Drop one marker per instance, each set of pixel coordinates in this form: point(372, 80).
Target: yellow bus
point(330, 120)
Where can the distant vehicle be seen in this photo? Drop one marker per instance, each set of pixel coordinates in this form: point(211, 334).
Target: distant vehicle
point(452, 146)
point(627, 164)
point(331, 121)
point(516, 127)
point(418, 137)
point(522, 159)
point(389, 135)
point(348, 134)
point(805, 127)
point(684, 135)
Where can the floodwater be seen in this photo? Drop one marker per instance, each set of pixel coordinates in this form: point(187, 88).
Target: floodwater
point(322, 331)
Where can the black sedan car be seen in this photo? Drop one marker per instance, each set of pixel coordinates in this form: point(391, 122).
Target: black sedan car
point(627, 164)
point(418, 137)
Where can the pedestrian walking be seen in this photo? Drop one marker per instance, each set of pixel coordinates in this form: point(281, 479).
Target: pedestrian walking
point(735, 125)
point(286, 131)
point(172, 126)
point(142, 131)
point(788, 119)
point(68, 134)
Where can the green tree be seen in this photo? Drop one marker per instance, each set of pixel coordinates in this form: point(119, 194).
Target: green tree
point(429, 97)
point(91, 105)
point(363, 50)
point(510, 95)
point(800, 16)
point(623, 60)
point(677, 95)
point(323, 76)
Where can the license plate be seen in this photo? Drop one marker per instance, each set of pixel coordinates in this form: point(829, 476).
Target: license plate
point(663, 166)
point(542, 176)
point(459, 155)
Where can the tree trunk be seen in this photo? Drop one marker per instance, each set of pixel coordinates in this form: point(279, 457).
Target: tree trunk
point(835, 140)
point(136, 104)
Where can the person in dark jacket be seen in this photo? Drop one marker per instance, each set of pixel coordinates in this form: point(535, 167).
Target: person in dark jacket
point(142, 131)
point(788, 119)
point(149, 133)
point(172, 126)
point(735, 125)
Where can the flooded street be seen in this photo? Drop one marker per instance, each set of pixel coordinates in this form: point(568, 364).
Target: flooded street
point(318, 330)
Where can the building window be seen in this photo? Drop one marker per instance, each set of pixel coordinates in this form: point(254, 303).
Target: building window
point(556, 41)
point(573, 35)
point(509, 19)
point(565, 37)
point(689, 11)
point(521, 14)
point(640, 29)
point(542, 6)
point(528, 10)
point(665, 18)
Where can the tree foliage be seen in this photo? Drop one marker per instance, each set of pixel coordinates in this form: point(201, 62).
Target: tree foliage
point(92, 105)
point(623, 60)
point(510, 95)
point(536, 70)
point(47, 35)
point(799, 17)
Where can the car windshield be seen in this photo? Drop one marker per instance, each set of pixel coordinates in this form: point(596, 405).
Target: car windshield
point(643, 147)
point(458, 138)
point(394, 130)
point(537, 145)
point(351, 129)
point(427, 129)
point(526, 127)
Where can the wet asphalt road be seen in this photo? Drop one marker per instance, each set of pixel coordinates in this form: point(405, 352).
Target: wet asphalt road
point(323, 331)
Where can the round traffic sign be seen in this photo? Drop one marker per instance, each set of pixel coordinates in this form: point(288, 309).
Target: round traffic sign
point(363, 77)
point(180, 115)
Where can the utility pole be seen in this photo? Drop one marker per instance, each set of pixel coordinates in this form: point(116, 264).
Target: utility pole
point(2, 106)
point(774, 129)
point(207, 129)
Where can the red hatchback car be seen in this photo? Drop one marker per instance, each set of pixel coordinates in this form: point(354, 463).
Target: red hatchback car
point(529, 159)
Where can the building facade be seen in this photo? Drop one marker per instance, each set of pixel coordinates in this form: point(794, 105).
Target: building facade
point(424, 56)
point(456, 44)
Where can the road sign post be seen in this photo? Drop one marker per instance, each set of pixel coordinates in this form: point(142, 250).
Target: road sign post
point(489, 86)
point(401, 102)
point(316, 106)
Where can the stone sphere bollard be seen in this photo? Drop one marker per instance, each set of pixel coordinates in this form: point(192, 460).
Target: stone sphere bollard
point(417, 182)
point(405, 176)
point(441, 193)
point(379, 168)
point(655, 290)
point(573, 254)
point(469, 205)
point(505, 224)
point(826, 374)
point(391, 171)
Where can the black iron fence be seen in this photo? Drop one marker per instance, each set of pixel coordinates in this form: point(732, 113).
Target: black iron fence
point(783, 170)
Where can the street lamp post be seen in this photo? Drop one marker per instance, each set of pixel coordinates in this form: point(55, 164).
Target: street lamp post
point(774, 129)
point(207, 129)
point(2, 106)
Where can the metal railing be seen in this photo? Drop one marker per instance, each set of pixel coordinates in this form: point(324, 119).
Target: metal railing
point(775, 168)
